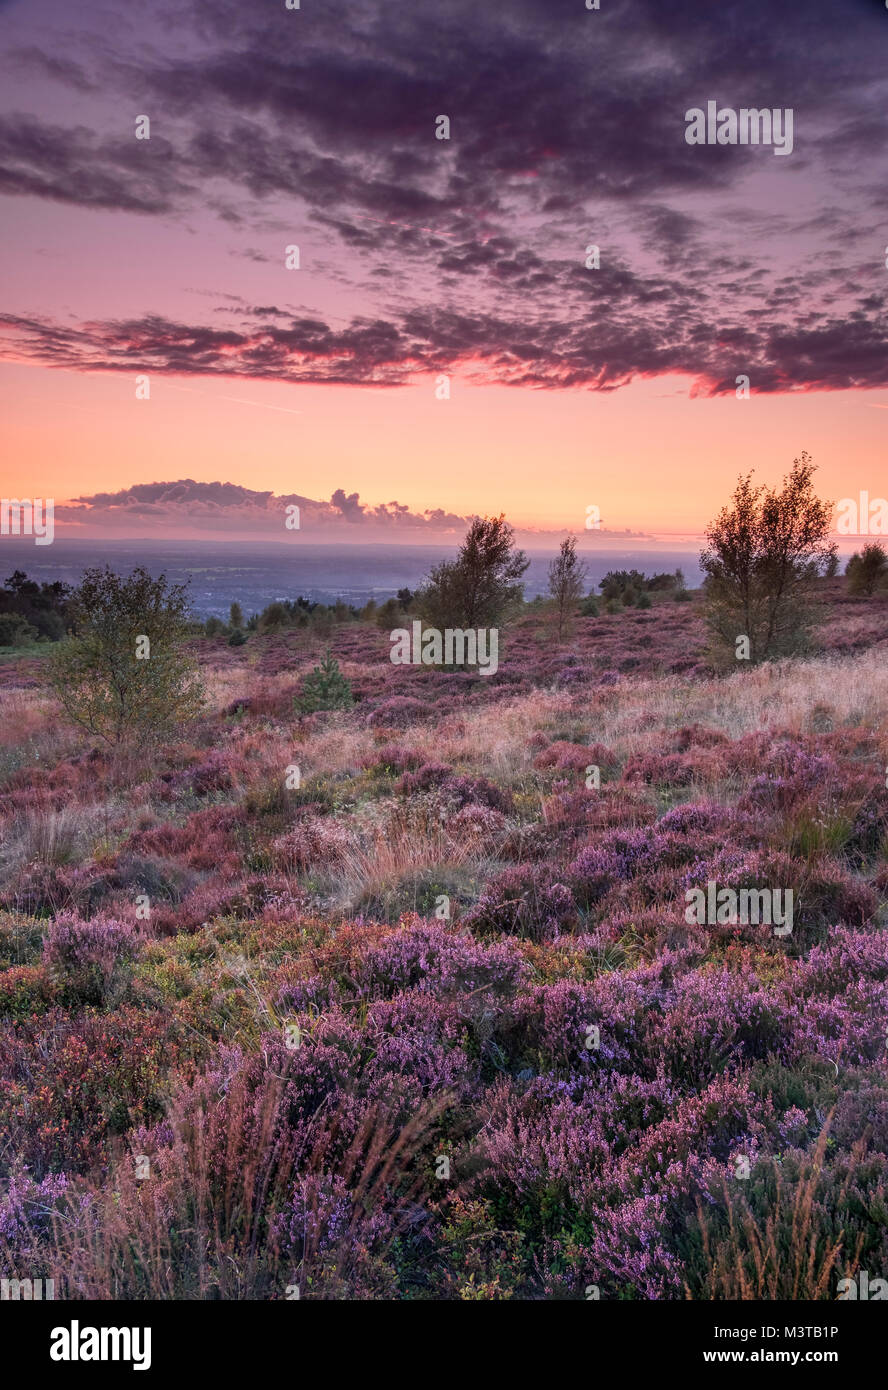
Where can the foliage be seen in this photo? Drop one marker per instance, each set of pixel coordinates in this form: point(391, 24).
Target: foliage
point(481, 587)
point(567, 575)
point(97, 674)
point(16, 631)
point(868, 571)
point(766, 550)
point(41, 608)
point(326, 688)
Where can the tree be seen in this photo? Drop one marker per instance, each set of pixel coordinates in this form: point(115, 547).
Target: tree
point(274, 617)
point(390, 615)
point(481, 587)
point(325, 688)
point(766, 550)
point(236, 615)
point(567, 579)
point(41, 607)
point(867, 571)
point(125, 672)
point(16, 631)
point(623, 585)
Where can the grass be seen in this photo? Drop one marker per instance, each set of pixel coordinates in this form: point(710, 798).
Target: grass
point(422, 1040)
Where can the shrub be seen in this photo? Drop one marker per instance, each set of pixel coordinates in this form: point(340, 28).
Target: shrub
point(326, 688)
point(764, 555)
point(868, 571)
point(89, 959)
point(567, 574)
point(399, 711)
point(273, 618)
point(105, 677)
point(792, 1231)
point(390, 615)
point(15, 630)
point(313, 842)
point(524, 901)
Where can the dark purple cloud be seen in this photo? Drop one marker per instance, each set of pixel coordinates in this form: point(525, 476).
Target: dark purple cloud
point(634, 332)
point(567, 129)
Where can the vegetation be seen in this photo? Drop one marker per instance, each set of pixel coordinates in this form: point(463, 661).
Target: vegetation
point(30, 610)
point(567, 576)
point(633, 589)
point(326, 688)
point(481, 588)
point(405, 1004)
point(868, 571)
point(765, 553)
point(124, 672)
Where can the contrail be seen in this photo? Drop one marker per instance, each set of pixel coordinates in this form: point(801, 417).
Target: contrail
point(239, 400)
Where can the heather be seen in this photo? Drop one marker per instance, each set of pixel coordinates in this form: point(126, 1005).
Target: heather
point(428, 1021)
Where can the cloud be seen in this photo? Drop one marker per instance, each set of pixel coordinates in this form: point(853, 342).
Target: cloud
point(229, 508)
point(634, 328)
point(185, 506)
point(467, 255)
point(73, 165)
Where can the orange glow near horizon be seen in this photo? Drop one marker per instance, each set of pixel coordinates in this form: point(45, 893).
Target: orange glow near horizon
point(650, 457)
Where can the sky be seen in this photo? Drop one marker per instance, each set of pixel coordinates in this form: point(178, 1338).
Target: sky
point(444, 348)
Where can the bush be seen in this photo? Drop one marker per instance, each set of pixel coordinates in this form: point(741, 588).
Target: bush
point(89, 959)
point(792, 1231)
point(390, 615)
point(273, 618)
point(15, 631)
point(125, 673)
point(524, 901)
point(867, 571)
point(42, 609)
point(399, 711)
point(566, 575)
point(325, 689)
point(762, 563)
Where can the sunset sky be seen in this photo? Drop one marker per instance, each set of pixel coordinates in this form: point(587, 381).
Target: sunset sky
point(569, 387)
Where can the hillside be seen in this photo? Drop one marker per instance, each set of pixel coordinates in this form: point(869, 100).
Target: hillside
point(428, 1020)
